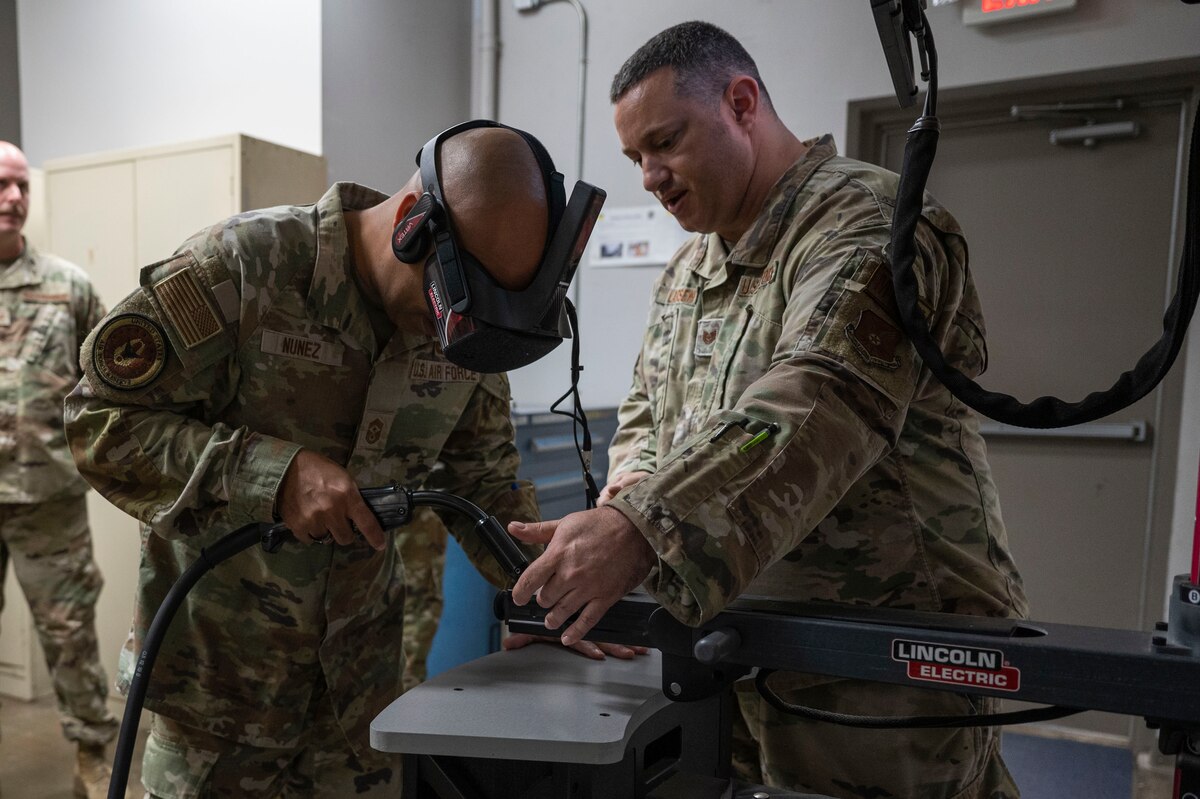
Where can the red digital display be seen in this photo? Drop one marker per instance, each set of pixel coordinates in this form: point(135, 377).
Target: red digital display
point(988, 6)
point(981, 11)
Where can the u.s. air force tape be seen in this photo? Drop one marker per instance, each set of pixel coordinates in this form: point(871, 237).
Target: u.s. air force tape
point(130, 351)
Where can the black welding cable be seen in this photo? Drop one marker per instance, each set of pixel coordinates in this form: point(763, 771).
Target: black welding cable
point(905, 722)
point(230, 545)
point(510, 557)
point(1047, 411)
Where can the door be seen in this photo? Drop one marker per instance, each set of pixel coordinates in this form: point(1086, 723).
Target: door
point(181, 193)
point(1072, 247)
point(91, 213)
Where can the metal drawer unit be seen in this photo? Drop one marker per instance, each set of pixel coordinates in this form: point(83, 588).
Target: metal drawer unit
point(549, 459)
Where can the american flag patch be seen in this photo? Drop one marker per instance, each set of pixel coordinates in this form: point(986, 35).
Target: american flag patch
point(186, 308)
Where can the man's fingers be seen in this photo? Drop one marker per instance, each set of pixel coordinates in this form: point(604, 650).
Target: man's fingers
point(621, 651)
point(622, 482)
point(561, 610)
point(591, 614)
point(343, 533)
point(364, 521)
point(519, 640)
point(589, 650)
point(608, 492)
point(551, 593)
point(534, 532)
point(303, 538)
point(538, 573)
point(585, 648)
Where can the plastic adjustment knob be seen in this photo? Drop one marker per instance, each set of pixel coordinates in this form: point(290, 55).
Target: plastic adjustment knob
point(717, 646)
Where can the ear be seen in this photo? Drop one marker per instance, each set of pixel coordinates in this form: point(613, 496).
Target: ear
point(411, 237)
point(407, 201)
point(742, 98)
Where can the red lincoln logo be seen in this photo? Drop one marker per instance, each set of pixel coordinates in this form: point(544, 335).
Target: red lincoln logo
point(435, 302)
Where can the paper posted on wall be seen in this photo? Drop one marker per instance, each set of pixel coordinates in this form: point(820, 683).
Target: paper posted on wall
point(643, 235)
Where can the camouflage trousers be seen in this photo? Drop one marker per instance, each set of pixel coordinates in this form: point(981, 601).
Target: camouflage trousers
point(50, 548)
point(800, 755)
point(422, 544)
point(181, 762)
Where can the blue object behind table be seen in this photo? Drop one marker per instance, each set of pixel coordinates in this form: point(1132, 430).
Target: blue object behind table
point(468, 628)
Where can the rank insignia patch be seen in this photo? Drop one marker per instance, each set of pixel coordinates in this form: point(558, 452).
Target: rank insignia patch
point(875, 339)
point(373, 430)
point(706, 336)
point(130, 351)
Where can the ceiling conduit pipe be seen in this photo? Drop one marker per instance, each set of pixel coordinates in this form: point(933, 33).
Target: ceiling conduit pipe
point(531, 6)
point(486, 58)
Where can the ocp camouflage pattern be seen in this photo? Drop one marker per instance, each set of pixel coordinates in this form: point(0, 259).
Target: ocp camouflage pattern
point(874, 488)
point(800, 450)
point(422, 544)
point(200, 450)
point(47, 308)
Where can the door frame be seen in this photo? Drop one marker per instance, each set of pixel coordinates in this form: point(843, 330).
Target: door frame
point(866, 118)
point(871, 120)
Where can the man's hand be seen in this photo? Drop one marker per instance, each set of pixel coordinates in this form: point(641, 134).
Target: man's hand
point(318, 498)
point(617, 484)
point(592, 559)
point(589, 649)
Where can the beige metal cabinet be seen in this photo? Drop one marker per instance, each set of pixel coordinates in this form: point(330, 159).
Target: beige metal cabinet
point(113, 213)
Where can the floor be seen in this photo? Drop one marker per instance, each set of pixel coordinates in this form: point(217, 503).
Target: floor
point(36, 762)
point(1049, 768)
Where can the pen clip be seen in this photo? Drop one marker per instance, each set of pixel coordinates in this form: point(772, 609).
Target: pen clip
point(724, 428)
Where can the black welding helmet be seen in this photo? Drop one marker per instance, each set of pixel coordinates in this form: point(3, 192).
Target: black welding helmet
point(483, 326)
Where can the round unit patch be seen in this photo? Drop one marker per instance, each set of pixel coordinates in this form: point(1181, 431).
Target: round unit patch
point(130, 351)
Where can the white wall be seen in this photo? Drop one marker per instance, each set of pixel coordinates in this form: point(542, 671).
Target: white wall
point(379, 110)
point(128, 73)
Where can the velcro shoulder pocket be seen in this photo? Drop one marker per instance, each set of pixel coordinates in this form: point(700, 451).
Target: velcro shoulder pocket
point(196, 302)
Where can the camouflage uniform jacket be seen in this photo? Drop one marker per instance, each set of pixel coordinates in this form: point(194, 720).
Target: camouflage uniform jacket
point(47, 307)
point(799, 448)
point(267, 346)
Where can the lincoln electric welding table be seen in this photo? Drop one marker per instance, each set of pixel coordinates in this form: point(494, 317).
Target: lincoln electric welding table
point(543, 722)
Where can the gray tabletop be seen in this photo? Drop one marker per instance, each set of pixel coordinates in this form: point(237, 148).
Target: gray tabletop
point(542, 702)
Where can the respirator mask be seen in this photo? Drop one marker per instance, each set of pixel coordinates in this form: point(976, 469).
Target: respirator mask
point(483, 326)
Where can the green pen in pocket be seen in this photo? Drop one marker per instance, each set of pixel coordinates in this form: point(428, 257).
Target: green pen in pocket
point(760, 437)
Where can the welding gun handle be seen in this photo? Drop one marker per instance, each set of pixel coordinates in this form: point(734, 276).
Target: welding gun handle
point(506, 552)
point(274, 536)
point(391, 504)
